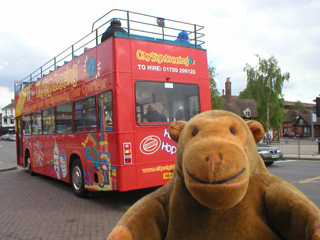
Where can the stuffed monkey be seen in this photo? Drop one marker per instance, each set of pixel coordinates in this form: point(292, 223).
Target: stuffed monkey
point(221, 190)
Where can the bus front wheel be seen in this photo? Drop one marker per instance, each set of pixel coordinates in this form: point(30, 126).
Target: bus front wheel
point(77, 179)
point(30, 167)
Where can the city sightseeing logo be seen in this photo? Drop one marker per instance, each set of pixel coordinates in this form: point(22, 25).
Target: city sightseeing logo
point(163, 58)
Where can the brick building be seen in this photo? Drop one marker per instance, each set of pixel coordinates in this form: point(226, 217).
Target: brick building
point(301, 122)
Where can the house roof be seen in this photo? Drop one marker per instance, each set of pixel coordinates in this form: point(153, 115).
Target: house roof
point(300, 117)
point(303, 120)
point(293, 114)
point(307, 119)
point(238, 106)
point(11, 105)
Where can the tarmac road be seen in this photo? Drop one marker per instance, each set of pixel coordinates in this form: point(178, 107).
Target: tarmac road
point(8, 153)
point(303, 174)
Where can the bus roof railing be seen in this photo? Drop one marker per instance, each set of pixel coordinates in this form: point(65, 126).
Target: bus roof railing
point(134, 23)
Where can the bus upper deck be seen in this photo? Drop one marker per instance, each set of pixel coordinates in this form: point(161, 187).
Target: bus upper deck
point(138, 26)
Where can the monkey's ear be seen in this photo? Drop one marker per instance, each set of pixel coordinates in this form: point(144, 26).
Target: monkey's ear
point(257, 129)
point(175, 130)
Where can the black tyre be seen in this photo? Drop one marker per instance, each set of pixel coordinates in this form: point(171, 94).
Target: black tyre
point(77, 179)
point(269, 163)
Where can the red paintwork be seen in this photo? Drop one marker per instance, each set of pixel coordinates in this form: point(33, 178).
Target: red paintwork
point(119, 65)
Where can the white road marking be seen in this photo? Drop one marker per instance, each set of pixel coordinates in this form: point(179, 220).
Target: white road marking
point(287, 161)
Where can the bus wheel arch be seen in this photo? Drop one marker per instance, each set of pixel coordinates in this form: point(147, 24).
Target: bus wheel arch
point(28, 164)
point(77, 177)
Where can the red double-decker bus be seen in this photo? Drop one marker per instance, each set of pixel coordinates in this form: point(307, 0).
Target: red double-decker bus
point(97, 115)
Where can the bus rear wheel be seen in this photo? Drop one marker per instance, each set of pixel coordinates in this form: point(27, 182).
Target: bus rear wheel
point(77, 179)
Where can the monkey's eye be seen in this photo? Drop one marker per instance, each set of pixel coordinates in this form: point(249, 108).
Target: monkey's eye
point(233, 131)
point(195, 131)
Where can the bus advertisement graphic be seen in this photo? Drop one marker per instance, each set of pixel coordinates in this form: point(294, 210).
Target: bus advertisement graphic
point(100, 174)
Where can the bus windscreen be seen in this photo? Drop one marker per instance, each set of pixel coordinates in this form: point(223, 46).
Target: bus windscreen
point(162, 102)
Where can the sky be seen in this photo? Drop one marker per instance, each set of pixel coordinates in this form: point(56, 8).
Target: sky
point(34, 31)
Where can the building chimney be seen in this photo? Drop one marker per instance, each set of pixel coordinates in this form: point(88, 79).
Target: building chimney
point(222, 92)
point(228, 91)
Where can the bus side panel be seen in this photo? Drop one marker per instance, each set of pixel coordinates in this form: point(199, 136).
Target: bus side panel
point(34, 144)
point(122, 57)
point(105, 58)
point(205, 96)
point(126, 173)
point(203, 65)
point(112, 155)
point(123, 101)
point(50, 149)
point(124, 104)
point(74, 144)
point(127, 179)
point(204, 83)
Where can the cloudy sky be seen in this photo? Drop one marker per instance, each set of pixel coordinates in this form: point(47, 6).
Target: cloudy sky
point(34, 31)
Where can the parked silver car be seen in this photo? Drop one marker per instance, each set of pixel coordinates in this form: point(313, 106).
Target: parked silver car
point(8, 137)
point(11, 138)
point(269, 154)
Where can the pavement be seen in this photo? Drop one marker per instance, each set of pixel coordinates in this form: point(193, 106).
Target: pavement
point(302, 157)
point(35, 208)
point(7, 167)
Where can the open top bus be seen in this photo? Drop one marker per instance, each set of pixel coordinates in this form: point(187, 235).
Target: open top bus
point(84, 116)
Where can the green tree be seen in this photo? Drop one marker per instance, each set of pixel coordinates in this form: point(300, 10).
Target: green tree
point(216, 99)
point(298, 105)
point(264, 84)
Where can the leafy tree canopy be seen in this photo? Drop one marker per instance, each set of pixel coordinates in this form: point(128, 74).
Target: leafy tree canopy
point(264, 84)
point(216, 99)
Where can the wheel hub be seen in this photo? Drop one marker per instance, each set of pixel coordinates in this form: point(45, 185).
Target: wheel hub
point(76, 178)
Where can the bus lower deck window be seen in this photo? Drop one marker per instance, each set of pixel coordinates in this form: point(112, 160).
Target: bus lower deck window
point(64, 118)
point(85, 115)
point(105, 111)
point(48, 121)
point(36, 123)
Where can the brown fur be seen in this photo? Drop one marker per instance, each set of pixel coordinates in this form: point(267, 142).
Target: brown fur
point(220, 190)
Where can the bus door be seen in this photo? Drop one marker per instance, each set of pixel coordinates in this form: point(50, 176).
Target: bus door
point(19, 141)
